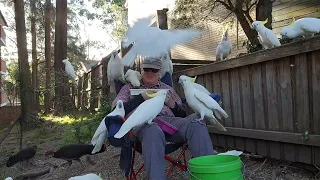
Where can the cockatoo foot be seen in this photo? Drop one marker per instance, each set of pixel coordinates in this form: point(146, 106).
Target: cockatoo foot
point(200, 120)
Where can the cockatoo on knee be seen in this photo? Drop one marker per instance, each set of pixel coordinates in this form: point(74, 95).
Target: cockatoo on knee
point(224, 47)
point(115, 71)
point(202, 103)
point(307, 26)
point(268, 39)
point(70, 70)
point(145, 112)
point(102, 132)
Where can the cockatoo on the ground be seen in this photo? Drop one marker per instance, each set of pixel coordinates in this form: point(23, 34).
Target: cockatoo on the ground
point(89, 176)
point(145, 112)
point(102, 132)
point(70, 70)
point(268, 39)
point(166, 65)
point(115, 71)
point(224, 47)
point(303, 27)
point(152, 41)
point(133, 77)
point(202, 103)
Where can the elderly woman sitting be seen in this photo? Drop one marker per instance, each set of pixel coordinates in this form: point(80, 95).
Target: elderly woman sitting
point(152, 137)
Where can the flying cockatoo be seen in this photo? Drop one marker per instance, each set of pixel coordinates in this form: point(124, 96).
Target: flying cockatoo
point(302, 27)
point(70, 70)
point(102, 132)
point(133, 77)
point(145, 112)
point(268, 38)
point(202, 103)
point(115, 71)
point(152, 41)
point(224, 47)
point(166, 65)
point(89, 176)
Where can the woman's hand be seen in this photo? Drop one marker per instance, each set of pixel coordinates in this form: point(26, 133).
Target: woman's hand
point(169, 101)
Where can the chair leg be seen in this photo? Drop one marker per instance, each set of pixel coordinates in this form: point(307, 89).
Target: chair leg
point(174, 161)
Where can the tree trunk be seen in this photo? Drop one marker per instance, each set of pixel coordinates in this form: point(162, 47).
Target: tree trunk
point(24, 69)
point(47, 92)
point(60, 53)
point(264, 11)
point(35, 99)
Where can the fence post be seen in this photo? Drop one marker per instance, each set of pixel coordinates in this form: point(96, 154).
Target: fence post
point(84, 102)
point(93, 92)
point(80, 90)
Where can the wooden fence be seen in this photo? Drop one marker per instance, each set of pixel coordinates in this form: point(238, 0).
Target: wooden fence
point(272, 98)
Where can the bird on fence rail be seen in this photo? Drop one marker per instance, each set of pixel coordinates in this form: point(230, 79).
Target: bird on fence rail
point(224, 47)
point(307, 26)
point(202, 103)
point(152, 41)
point(115, 71)
point(70, 70)
point(24, 154)
point(102, 132)
point(268, 39)
point(167, 65)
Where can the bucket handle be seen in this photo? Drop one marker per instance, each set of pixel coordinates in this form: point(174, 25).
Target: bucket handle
point(242, 172)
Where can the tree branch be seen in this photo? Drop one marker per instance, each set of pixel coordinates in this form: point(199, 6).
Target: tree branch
point(224, 4)
point(253, 4)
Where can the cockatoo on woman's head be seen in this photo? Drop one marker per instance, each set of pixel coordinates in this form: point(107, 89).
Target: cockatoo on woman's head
point(115, 71)
point(202, 103)
point(70, 70)
point(268, 38)
point(145, 112)
point(303, 27)
point(152, 41)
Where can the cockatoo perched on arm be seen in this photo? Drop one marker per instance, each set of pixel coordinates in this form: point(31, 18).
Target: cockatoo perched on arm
point(303, 27)
point(133, 77)
point(166, 65)
point(268, 38)
point(202, 103)
point(70, 70)
point(152, 41)
point(224, 47)
point(102, 132)
point(145, 112)
point(115, 71)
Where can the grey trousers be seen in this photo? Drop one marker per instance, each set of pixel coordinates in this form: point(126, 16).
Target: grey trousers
point(153, 142)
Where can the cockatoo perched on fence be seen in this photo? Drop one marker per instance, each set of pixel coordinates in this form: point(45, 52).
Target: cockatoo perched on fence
point(145, 112)
point(224, 47)
point(133, 77)
point(70, 70)
point(102, 132)
point(115, 71)
point(152, 41)
point(268, 38)
point(303, 27)
point(202, 103)
point(166, 65)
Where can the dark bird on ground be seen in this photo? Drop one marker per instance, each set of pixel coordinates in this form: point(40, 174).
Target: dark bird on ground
point(74, 152)
point(23, 155)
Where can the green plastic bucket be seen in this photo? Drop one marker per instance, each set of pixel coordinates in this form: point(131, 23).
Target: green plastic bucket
point(215, 167)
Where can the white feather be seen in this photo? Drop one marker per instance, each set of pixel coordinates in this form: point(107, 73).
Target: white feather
point(145, 112)
point(302, 27)
point(133, 77)
point(268, 38)
point(152, 41)
point(101, 133)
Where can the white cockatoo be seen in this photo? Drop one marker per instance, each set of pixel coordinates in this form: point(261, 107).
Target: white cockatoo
point(115, 71)
point(199, 86)
point(133, 77)
point(70, 70)
point(145, 112)
point(89, 176)
point(166, 65)
point(152, 41)
point(102, 132)
point(224, 47)
point(8, 178)
point(268, 39)
point(302, 27)
point(202, 103)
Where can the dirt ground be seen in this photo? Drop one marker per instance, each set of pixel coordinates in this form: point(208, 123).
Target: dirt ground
point(255, 168)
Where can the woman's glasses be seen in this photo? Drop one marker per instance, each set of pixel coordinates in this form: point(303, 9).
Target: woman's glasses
point(150, 70)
